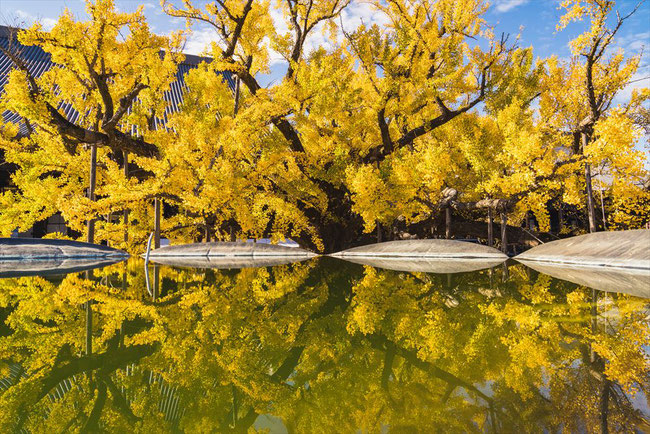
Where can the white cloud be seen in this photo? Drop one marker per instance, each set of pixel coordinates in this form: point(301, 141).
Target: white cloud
point(355, 14)
point(198, 42)
point(640, 80)
point(29, 19)
point(358, 13)
point(506, 5)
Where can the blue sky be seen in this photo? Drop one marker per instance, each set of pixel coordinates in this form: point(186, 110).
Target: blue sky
point(534, 19)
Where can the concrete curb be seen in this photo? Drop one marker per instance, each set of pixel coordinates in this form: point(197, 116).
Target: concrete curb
point(230, 250)
point(225, 262)
point(21, 249)
point(53, 267)
point(620, 249)
point(435, 249)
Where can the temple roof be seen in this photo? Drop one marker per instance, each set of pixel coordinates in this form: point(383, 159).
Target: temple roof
point(38, 62)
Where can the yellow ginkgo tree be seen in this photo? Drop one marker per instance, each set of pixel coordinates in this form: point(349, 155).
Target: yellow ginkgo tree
point(95, 105)
point(381, 126)
point(584, 112)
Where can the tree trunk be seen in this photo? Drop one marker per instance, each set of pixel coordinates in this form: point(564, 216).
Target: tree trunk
point(504, 233)
point(379, 234)
point(591, 210)
point(560, 218)
point(156, 224)
point(448, 222)
point(91, 192)
point(237, 94)
point(490, 228)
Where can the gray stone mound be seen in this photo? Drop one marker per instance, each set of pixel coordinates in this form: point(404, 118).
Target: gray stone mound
point(622, 280)
point(428, 265)
point(36, 248)
point(423, 249)
point(52, 267)
point(230, 249)
point(226, 262)
point(622, 249)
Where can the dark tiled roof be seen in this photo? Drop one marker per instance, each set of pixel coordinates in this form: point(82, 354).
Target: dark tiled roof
point(38, 62)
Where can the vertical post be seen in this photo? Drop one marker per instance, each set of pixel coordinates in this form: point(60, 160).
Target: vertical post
point(602, 202)
point(490, 228)
point(126, 211)
point(591, 210)
point(91, 192)
point(235, 409)
point(156, 282)
point(124, 288)
point(594, 320)
point(504, 233)
point(156, 225)
point(448, 222)
point(89, 328)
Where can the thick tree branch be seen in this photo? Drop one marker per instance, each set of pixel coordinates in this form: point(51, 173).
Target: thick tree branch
point(71, 132)
point(125, 103)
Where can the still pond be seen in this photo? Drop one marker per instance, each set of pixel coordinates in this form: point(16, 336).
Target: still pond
point(319, 346)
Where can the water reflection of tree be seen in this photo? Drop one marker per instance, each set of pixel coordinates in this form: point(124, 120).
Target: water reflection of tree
point(326, 347)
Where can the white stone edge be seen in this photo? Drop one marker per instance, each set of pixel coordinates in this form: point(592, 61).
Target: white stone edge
point(232, 255)
point(398, 255)
point(613, 265)
point(41, 257)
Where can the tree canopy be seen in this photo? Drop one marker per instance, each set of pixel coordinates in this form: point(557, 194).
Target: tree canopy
point(385, 126)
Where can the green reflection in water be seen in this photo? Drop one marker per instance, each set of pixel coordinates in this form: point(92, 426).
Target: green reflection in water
point(317, 347)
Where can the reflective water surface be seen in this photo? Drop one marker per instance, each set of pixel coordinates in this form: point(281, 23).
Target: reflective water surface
point(319, 346)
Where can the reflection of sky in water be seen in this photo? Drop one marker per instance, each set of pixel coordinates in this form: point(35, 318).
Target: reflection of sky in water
point(316, 346)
